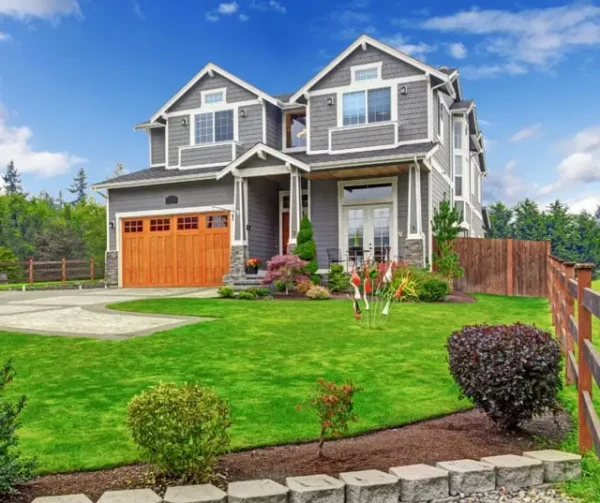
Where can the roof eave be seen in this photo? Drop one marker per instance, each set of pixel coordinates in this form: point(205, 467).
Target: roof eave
point(154, 181)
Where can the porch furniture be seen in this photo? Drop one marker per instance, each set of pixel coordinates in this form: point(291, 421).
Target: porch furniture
point(334, 256)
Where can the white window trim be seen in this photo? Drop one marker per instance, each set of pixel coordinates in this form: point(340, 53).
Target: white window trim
point(377, 66)
point(204, 94)
point(414, 171)
point(284, 132)
point(393, 200)
point(372, 85)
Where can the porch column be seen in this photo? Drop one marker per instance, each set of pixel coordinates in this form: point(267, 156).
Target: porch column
point(415, 240)
point(239, 245)
point(295, 207)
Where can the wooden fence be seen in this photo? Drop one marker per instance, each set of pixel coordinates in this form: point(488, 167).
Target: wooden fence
point(32, 271)
point(503, 266)
point(569, 283)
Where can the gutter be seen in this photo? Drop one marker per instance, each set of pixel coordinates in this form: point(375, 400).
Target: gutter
point(362, 162)
point(155, 181)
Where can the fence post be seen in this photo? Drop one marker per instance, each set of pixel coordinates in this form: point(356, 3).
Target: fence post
point(569, 310)
point(92, 269)
point(64, 270)
point(30, 271)
point(584, 280)
point(549, 272)
point(509, 267)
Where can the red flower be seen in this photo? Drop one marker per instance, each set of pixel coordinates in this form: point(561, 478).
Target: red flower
point(368, 286)
point(355, 278)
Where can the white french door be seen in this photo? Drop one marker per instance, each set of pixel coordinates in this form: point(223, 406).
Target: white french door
point(367, 233)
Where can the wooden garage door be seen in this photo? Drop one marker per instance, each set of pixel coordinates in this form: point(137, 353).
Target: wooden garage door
point(179, 250)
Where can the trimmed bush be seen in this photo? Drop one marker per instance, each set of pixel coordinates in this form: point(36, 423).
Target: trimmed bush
point(433, 290)
point(247, 295)
point(181, 430)
point(306, 248)
point(318, 293)
point(259, 291)
point(511, 372)
point(338, 280)
point(226, 292)
point(304, 287)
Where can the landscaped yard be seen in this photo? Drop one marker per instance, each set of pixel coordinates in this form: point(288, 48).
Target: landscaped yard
point(263, 356)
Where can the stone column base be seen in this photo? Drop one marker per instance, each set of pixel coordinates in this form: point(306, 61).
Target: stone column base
point(415, 252)
point(111, 268)
point(237, 264)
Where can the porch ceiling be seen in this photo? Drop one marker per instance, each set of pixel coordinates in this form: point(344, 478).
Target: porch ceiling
point(360, 172)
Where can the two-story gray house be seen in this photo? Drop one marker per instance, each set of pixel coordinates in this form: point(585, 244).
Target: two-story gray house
point(367, 148)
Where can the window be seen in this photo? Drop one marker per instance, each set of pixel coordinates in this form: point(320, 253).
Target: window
point(214, 127)
point(458, 175)
point(160, 224)
point(458, 130)
point(134, 226)
point(213, 97)
point(216, 221)
point(187, 223)
point(369, 106)
point(460, 207)
point(375, 192)
point(441, 120)
point(355, 229)
point(366, 74)
point(295, 130)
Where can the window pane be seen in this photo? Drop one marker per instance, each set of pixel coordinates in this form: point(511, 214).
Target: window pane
point(367, 74)
point(457, 135)
point(354, 193)
point(204, 128)
point(213, 97)
point(460, 206)
point(296, 130)
point(355, 229)
point(224, 125)
point(458, 166)
point(379, 105)
point(458, 185)
point(354, 108)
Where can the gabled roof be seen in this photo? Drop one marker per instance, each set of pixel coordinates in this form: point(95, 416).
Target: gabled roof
point(156, 176)
point(262, 149)
point(363, 41)
point(464, 105)
point(209, 69)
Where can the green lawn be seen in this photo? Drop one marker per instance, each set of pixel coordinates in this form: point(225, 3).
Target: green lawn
point(263, 356)
point(37, 284)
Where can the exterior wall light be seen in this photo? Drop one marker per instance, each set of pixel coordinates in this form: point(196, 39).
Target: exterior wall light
point(330, 101)
point(184, 121)
point(243, 112)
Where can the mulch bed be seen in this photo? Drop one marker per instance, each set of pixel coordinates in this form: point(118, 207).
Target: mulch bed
point(453, 298)
point(463, 435)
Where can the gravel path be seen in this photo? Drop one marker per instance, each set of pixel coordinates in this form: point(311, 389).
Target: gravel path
point(539, 495)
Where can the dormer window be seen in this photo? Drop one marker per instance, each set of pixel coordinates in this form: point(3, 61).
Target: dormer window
point(295, 130)
point(213, 97)
point(366, 72)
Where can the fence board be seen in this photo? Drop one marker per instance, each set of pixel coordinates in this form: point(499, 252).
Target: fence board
point(591, 301)
point(574, 329)
point(573, 288)
point(592, 360)
point(572, 362)
point(592, 419)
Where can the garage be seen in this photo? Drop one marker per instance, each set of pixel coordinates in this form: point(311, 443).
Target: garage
point(175, 250)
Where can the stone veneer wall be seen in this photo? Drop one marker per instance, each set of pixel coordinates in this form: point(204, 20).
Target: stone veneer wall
point(237, 264)
point(414, 252)
point(111, 271)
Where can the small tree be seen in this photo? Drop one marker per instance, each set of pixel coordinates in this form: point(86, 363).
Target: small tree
point(12, 180)
point(306, 248)
point(334, 407)
point(13, 469)
point(445, 226)
point(7, 259)
point(287, 270)
point(79, 186)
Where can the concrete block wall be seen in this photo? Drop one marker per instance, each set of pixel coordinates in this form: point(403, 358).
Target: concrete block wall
point(448, 481)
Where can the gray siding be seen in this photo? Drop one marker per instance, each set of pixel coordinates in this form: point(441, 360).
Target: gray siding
point(157, 146)
point(477, 230)
point(263, 218)
point(324, 217)
point(402, 214)
point(443, 156)
point(257, 162)
point(412, 112)
point(392, 68)
point(425, 217)
point(274, 125)
point(322, 117)
point(179, 136)
point(192, 99)
point(473, 198)
point(374, 136)
point(250, 127)
point(440, 189)
point(190, 194)
point(199, 156)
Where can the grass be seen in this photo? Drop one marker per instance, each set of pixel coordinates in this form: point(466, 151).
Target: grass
point(12, 286)
point(264, 357)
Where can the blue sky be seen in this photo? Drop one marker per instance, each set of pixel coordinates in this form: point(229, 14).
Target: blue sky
point(76, 75)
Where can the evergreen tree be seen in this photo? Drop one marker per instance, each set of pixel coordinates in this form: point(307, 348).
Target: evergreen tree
point(558, 228)
point(12, 180)
point(60, 201)
point(500, 221)
point(446, 228)
point(306, 248)
point(597, 214)
point(79, 186)
point(529, 221)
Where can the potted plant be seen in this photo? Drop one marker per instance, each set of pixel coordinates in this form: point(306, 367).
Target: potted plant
point(252, 265)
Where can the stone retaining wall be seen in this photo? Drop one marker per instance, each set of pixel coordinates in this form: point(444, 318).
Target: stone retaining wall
point(447, 481)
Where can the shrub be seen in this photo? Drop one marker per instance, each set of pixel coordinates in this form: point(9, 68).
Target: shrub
point(511, 372)
point(304, 287)
point(180, 429)
point(13, 470)
point(446, 227)
point(338, 280)
point(226, 292)
point(318, 293)
point(7, 259)
point(334, 407)
point(306, 248)
point(259, 291)
point(285, 270)
point(279, 286)
point(246, 295)
point(433, 290)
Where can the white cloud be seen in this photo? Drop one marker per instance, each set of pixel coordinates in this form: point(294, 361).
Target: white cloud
point(4, 37)
point(526, 133)
point(588, 203)
point(419, 50)
point(490, 71)
point(353, 24)
point(243, 17)
point(506, 185)
point(15, 144)
point(531, 38)
point(272, 5)
point(457, 50)
point(211, 17)
point(483, 122)
point(137, 10)
point(42, 9)
point(228, 8)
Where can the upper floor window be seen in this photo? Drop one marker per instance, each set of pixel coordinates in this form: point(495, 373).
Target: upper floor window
point(458, 175)
point(213, 97)
point(373, 105)
point(366, 72)
point(458, 136)
point(213, 127)
point(295, 129)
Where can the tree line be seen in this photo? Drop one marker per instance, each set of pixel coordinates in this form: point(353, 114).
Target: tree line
point(46, 227)
point(572, 236)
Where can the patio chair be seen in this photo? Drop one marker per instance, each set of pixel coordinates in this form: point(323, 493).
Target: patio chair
point(334, 256)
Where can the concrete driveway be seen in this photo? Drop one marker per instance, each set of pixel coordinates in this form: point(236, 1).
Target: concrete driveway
point(82, 313)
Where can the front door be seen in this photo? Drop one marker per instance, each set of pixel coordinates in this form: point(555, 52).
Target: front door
point(285, 231)
point(367, 233)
